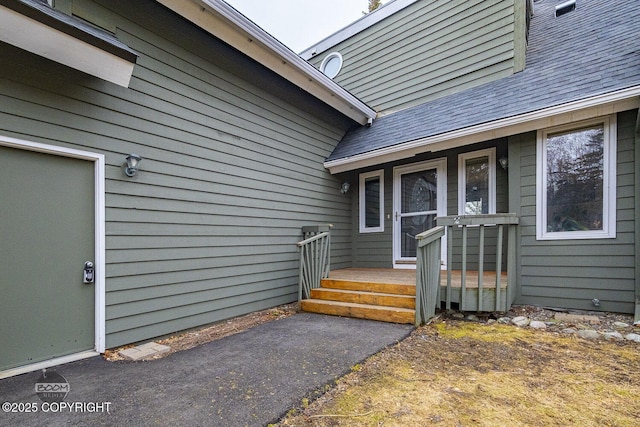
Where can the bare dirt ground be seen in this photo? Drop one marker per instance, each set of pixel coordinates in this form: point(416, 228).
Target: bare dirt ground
point(460, 373)
point(190, 339)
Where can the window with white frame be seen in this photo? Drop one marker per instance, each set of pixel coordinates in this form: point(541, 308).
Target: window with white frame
point(371, 192)
point(576, 181)
point(331, 64)
point(477, 182)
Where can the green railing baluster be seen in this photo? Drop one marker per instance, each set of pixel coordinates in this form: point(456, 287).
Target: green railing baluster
point(463, 283)
point(315, 255)
point(511, 264)
point(480, 267)
point(499, 267)
point(455, 223)
point(449, 265)
point(428, 273)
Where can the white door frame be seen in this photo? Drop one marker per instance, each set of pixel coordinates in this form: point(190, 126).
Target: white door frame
point(441, 167)
point(100, 247)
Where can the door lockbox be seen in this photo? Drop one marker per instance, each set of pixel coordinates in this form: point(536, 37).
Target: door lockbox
point(89, 272)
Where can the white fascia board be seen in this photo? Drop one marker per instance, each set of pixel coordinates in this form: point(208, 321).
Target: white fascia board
point(361, 24)
point(40, 39)
point(230, 26)
point(597, 106)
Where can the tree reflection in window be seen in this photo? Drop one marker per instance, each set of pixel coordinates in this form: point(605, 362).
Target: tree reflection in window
point(575, 180)
point(477, 186)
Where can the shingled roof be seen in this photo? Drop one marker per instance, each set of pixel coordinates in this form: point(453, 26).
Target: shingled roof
point(584, 54)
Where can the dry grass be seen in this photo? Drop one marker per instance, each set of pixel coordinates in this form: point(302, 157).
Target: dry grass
point(457, 373)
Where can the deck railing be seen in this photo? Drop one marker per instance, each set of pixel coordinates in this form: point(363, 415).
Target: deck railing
point(428, 273)
point(315, 255)
point(455, 224)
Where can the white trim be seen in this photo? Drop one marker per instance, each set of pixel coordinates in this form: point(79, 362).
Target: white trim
point(33, 36)
point(99, 226)
point(362, 201)
point(224, 22)
point(490, 153)
point(47, 364)
point(441, 167)
point(354, 28)
point(609, 183)
point(100, 253)
point(596, 106)
point(326, 60)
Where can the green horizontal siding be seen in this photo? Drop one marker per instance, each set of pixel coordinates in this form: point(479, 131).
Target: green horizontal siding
point(570, 273)
point(231, 170)
point(375, 250)
point(428, 50)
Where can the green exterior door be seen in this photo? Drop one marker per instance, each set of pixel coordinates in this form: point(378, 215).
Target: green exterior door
point(47, 212)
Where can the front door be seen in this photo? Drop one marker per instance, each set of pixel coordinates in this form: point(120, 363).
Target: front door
point(419, 196)
point(47, 212)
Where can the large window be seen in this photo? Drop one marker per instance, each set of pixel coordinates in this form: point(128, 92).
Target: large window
point(576, 182)
point(477, 182)
point(372, 202)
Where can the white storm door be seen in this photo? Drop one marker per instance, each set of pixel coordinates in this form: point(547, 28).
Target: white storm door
point(419, 196)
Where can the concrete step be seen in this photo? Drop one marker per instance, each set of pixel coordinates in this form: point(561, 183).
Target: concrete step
point(385, 288)
point(360, 311)
point(364, 297)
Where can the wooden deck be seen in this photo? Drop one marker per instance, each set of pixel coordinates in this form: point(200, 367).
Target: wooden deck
point(389, 294)
point(472, 299)
point(408, 277)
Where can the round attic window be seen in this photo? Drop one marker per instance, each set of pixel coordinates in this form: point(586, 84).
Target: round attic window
point(331, 64)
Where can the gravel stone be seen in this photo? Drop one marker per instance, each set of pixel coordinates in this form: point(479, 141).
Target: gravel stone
point(591, 325)
point(588, 334)
point(520, 321)
point(577, 317)
point(633, 337)
point(537, 324)
point(613, 336)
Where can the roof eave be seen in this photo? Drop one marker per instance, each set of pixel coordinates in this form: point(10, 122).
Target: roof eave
point(49, 34)
point(224, 22)
point(595, 106)
point(354, 28)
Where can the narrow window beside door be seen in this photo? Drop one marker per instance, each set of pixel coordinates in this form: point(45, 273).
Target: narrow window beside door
point(477, 182)
point(371, 191)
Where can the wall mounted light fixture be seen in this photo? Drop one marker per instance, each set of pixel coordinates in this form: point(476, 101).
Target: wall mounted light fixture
point(345, 187)
point(133, 160)
point(504, 162)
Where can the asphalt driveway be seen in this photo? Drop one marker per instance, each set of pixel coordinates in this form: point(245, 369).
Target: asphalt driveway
point(249, 379)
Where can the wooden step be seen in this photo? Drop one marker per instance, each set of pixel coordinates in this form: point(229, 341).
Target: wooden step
point(362, 297)
point(361, 311)
point(385, 288)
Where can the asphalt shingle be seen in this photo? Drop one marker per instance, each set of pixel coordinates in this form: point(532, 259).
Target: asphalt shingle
point(591, 51)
